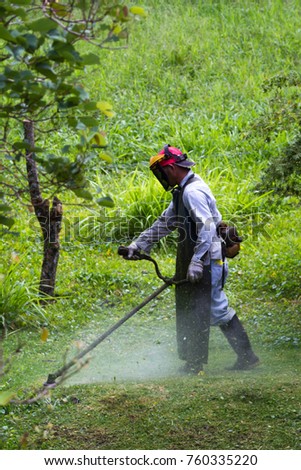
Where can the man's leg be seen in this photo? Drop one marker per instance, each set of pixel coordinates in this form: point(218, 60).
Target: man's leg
point(228, 321)
point(239, 341)
point(193, 307)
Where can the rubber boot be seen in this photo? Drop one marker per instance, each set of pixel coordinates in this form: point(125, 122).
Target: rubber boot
point(239, 341)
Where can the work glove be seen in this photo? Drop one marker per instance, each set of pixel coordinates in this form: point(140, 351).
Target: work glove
point(133, 249)
point(195, 271)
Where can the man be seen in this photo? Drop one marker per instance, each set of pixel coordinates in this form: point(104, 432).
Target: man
point(201, 301)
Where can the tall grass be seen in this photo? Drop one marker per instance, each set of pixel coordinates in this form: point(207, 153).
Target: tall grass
point(20, 301)
point(139, 199)
point(192, 76)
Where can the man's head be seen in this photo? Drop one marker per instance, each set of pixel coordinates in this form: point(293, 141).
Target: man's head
point(170, 166)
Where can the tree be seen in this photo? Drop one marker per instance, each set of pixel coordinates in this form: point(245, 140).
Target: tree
point(40, 55)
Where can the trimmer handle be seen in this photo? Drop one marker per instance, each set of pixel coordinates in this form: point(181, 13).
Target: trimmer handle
point(124, 251)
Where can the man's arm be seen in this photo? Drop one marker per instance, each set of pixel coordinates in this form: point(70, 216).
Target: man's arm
point(163, 226)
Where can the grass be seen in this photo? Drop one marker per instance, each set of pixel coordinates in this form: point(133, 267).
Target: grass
point(220, 410)
point(20, 303)
point(195, 75)
point(130, 395)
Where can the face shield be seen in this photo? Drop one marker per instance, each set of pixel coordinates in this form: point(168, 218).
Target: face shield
point(161, 176)
point(168, 156)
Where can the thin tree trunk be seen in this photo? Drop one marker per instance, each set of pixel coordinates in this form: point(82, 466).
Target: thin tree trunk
point(50, 219)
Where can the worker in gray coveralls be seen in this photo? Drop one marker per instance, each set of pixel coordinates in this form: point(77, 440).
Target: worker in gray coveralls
point(201, 301)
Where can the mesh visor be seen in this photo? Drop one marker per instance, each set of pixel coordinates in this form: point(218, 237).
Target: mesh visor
point(161, 176)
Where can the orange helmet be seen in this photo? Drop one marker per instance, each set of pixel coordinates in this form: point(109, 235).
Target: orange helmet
point(168, 156)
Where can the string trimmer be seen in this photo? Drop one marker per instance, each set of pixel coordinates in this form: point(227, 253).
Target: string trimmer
point(123, 251)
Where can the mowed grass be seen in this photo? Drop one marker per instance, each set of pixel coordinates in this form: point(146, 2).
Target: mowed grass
point(130, 395)
point(258, 409)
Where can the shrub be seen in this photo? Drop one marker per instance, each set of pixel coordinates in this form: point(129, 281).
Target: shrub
point(283, 174)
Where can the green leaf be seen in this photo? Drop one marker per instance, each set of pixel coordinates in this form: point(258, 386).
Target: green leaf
point(16, 12)
point(83, 94)
point(87, 105)
point(5, 34)
point(60, 10)
point(72, 122)
point(7, 221)
point(89, 121)
point(66, 148)
point(29, 41)
point(5, 208)
point(21, 146)
point(99, 139)
point(69, 103)
point(83, 193)
point(138, 11)
point(5, 397)
point(33, 42)
point(107, 158)
point(91, 59)
point(64, 51)
point(16, 51)
point(105, 201)
point(43, 25)
point(81, 4)
point(106, 108)
point(26, 146)
point(45, 69)
point(22, 2)
point(56, 35)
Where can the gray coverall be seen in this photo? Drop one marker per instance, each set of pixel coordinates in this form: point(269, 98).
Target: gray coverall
point(194, 213)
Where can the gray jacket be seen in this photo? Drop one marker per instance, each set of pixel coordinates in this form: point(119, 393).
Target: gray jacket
point(201, 206)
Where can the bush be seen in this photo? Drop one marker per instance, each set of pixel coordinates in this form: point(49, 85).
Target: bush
point(283, 174)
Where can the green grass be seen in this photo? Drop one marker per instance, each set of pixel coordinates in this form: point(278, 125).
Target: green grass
point(220, 410)
point(20, 302)
point(130, 395)
point(196, 75)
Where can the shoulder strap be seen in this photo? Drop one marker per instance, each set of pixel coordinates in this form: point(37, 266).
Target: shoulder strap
point(191, 179)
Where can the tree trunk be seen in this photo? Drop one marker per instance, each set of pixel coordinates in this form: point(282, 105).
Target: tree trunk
point(50, 219)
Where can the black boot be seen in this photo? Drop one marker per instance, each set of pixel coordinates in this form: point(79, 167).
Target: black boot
point(239, 341)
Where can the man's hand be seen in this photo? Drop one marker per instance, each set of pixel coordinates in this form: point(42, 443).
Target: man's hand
point(195, 271)
point(133, 250)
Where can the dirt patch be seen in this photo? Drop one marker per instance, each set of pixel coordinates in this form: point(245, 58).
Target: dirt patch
point(83, 438)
